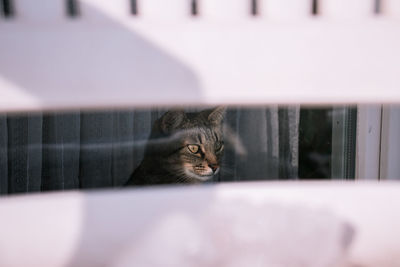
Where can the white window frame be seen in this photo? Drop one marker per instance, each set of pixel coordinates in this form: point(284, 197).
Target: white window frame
point(378, 146)
point(390, 143)
point(369, 127)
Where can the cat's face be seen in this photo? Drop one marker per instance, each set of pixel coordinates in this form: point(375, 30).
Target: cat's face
point(198, 143)
point(201, 153)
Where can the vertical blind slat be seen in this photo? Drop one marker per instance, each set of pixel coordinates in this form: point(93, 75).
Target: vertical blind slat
point(3, 156)
point(25, 153)
point(61, 142)
point(227, 172)
point(123, 150)
point(141, 132)
point(255, 165)
point(96, 149)
point(288, 145)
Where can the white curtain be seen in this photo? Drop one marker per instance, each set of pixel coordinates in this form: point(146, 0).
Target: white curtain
point(100, 149)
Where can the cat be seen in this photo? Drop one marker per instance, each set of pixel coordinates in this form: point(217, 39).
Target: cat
point(182, 148)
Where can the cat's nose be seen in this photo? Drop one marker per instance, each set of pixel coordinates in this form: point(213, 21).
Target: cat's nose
point(214, 167)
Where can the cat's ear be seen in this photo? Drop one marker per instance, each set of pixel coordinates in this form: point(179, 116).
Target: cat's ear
point(171, 120)
point(216, 115)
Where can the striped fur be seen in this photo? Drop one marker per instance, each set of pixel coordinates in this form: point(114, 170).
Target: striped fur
point(182, 148)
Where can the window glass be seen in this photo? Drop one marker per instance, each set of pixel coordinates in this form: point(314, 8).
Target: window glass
point(110, 148)
point(327, 143)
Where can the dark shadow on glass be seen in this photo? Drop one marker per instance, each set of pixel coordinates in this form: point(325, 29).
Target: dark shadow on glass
point(315, 143)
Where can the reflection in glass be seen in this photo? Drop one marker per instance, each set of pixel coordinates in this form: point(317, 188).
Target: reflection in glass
point(94, 149)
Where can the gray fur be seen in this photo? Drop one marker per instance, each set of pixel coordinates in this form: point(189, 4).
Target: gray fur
point(168, 158)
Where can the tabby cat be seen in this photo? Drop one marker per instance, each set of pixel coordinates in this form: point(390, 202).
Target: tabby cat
point(182, 148)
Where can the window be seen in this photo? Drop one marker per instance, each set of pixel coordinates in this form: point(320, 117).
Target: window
point(93, 149)
point(97, 94)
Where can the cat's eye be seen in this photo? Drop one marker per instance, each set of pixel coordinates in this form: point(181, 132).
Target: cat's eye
point(193, 148)
point(219, 146)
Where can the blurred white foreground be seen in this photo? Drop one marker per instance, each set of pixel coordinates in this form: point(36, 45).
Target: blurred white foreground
point(224, 55)
point(246, 224)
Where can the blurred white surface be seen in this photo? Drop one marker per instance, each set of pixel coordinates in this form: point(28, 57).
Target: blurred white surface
point(106, 57)
point(246, 224)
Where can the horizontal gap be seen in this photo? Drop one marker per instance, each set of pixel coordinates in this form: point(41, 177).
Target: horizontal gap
point(7, 8)
point(134, 7)
point(194, 9)
point(314, 8)
point(254, 8)
point(378, 7)
point(73, 8)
